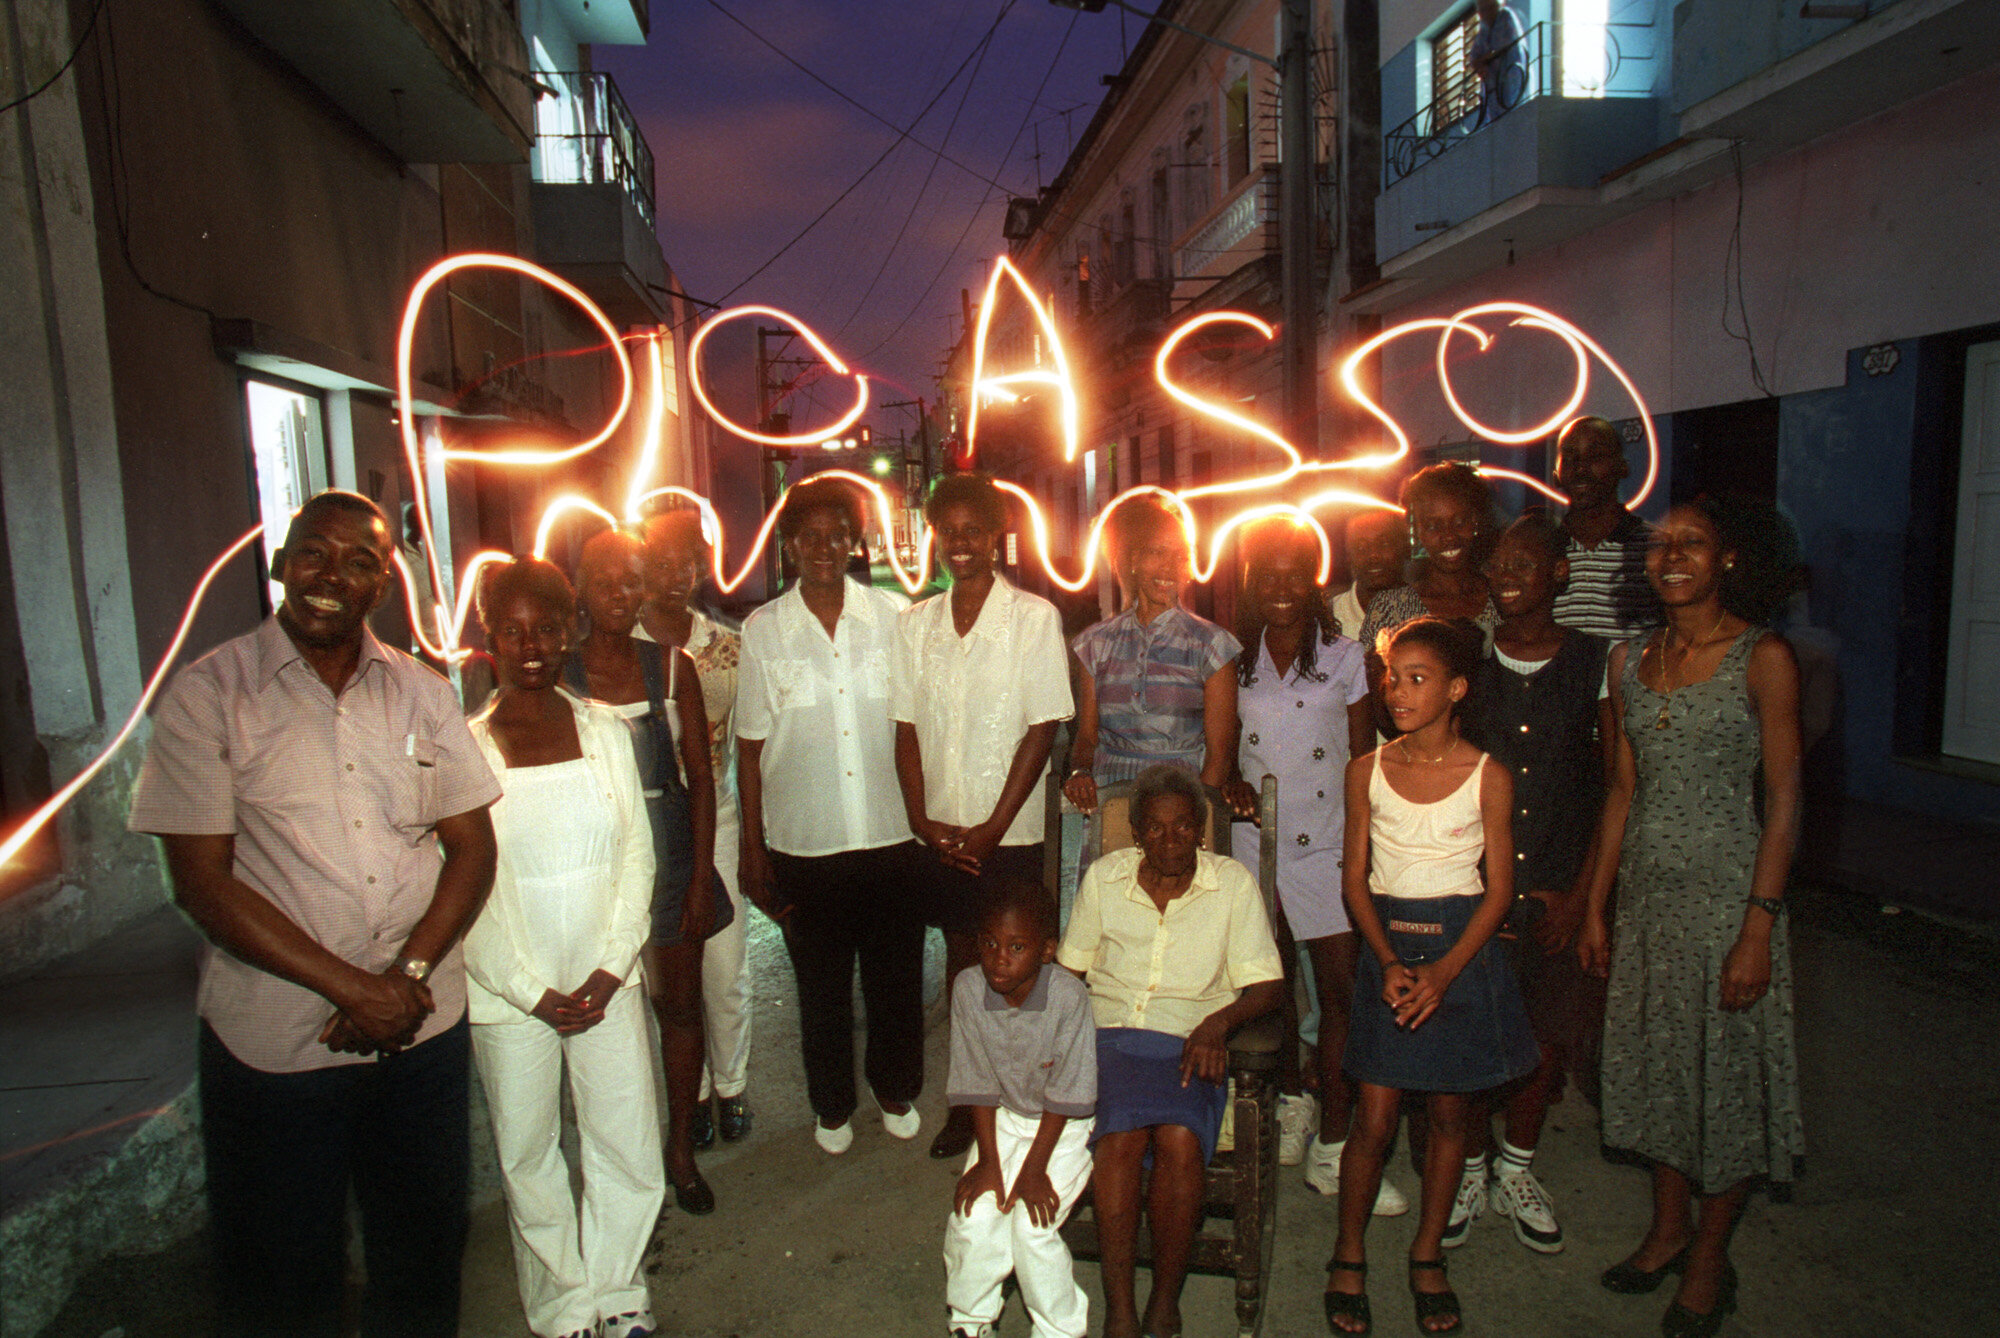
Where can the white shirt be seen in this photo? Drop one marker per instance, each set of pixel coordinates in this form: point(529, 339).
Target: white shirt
point(1348, 612)
point(569, 896)
point(973, 697)
point(821, 706)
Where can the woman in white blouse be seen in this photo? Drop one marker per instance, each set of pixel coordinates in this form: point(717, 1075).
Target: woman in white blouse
point(553, 974)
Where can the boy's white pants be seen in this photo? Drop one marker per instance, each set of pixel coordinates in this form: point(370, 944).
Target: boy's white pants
point(725, 973)
point(982, 1247)
point(573, 1271)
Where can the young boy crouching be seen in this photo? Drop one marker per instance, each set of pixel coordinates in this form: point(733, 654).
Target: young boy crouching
point(1024, 1059)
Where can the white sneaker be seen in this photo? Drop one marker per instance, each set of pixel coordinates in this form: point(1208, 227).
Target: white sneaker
point(1323, 1174)
point(1297, 1117)
point(835, 1140)
point(1323, 1166)
point(1466, 1206)
point(903, 1126)
point(1521, 1197)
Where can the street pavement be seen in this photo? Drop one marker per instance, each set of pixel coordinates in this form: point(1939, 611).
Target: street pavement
point(1889, 1230)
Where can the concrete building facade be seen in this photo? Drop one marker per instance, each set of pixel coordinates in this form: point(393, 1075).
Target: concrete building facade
point(1167, 207)
point(214, 212)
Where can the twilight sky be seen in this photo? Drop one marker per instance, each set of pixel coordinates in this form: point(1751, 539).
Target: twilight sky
point(749, 149)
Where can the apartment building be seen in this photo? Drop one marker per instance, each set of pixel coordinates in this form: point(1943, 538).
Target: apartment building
point(1778, 218)
point(214, 213)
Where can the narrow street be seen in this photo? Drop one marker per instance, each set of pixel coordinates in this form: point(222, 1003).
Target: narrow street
point(1899, 1031)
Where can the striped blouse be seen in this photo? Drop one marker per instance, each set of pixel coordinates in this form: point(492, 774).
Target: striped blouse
point(1149, 681)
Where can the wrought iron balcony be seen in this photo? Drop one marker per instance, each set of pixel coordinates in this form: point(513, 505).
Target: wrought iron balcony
point(586, 135)
point(1550, 60)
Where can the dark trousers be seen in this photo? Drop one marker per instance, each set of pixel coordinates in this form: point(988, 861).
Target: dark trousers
point(856, 905)
point(282, 1150)
point(953, 897)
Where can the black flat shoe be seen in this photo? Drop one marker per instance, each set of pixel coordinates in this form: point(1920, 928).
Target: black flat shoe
point(1681, 1322)
point(955, 1139)
point(701, 1127)
point(1628, 1279)
point(1344, 1305)
point(1434, 1305)
point(732, 1117)
point(693, 1196)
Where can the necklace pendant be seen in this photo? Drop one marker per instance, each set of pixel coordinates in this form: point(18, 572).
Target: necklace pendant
point(1663, 721)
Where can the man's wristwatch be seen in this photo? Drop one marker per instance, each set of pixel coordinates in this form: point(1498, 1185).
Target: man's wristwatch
point(416, 968)
point(1771, 906)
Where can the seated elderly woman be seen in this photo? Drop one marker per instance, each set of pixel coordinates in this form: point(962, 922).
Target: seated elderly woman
point(1177, 951)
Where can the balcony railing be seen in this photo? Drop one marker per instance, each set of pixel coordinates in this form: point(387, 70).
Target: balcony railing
point(1255, 206)
point(586, 135)
point(1553, 61)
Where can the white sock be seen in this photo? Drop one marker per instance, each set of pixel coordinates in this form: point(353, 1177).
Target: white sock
point(1476, 1165)
point(1513, 1160)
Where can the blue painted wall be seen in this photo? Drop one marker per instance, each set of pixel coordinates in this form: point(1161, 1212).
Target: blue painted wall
point(1545, 142)
point(1720, 43)
point(1399, 87)
point(1846, 461)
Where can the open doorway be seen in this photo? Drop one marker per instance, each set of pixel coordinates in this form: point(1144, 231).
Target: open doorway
point(1726, 448)
point(288, 458)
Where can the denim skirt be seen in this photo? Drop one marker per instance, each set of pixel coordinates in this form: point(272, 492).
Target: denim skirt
point(1479, 1036)
point(1139, 1086)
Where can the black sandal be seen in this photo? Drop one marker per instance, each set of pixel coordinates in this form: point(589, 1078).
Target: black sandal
point(1435, 1305)
point(1347, 1305)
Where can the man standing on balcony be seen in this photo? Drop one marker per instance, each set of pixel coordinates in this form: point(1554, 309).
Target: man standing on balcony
point(1500, 58)
point(323, 810)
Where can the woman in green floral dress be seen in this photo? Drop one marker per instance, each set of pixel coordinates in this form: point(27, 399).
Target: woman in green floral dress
point(1700, 1075)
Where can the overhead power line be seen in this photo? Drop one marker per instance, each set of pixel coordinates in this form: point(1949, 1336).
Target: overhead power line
point(903, 134)
point(929, 173)
point(973, 217)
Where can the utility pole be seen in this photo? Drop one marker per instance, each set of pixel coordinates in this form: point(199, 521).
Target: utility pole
point(774, 459)
point(1300, 352)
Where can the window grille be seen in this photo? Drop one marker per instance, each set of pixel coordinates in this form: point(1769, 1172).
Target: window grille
point(1454, 85)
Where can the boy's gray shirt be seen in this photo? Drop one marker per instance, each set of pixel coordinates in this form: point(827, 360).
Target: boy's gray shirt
point(1035, 1059)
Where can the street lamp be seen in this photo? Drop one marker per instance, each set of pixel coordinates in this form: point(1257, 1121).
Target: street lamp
point(1299, 349)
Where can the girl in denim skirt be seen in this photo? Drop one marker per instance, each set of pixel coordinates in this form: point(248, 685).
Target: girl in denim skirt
point(1436, 1008)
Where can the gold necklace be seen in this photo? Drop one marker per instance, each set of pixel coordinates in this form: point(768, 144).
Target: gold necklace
point(1403, 742)
point(1672, 671)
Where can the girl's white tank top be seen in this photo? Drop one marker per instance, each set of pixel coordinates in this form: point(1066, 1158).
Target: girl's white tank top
point(1425, 850)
